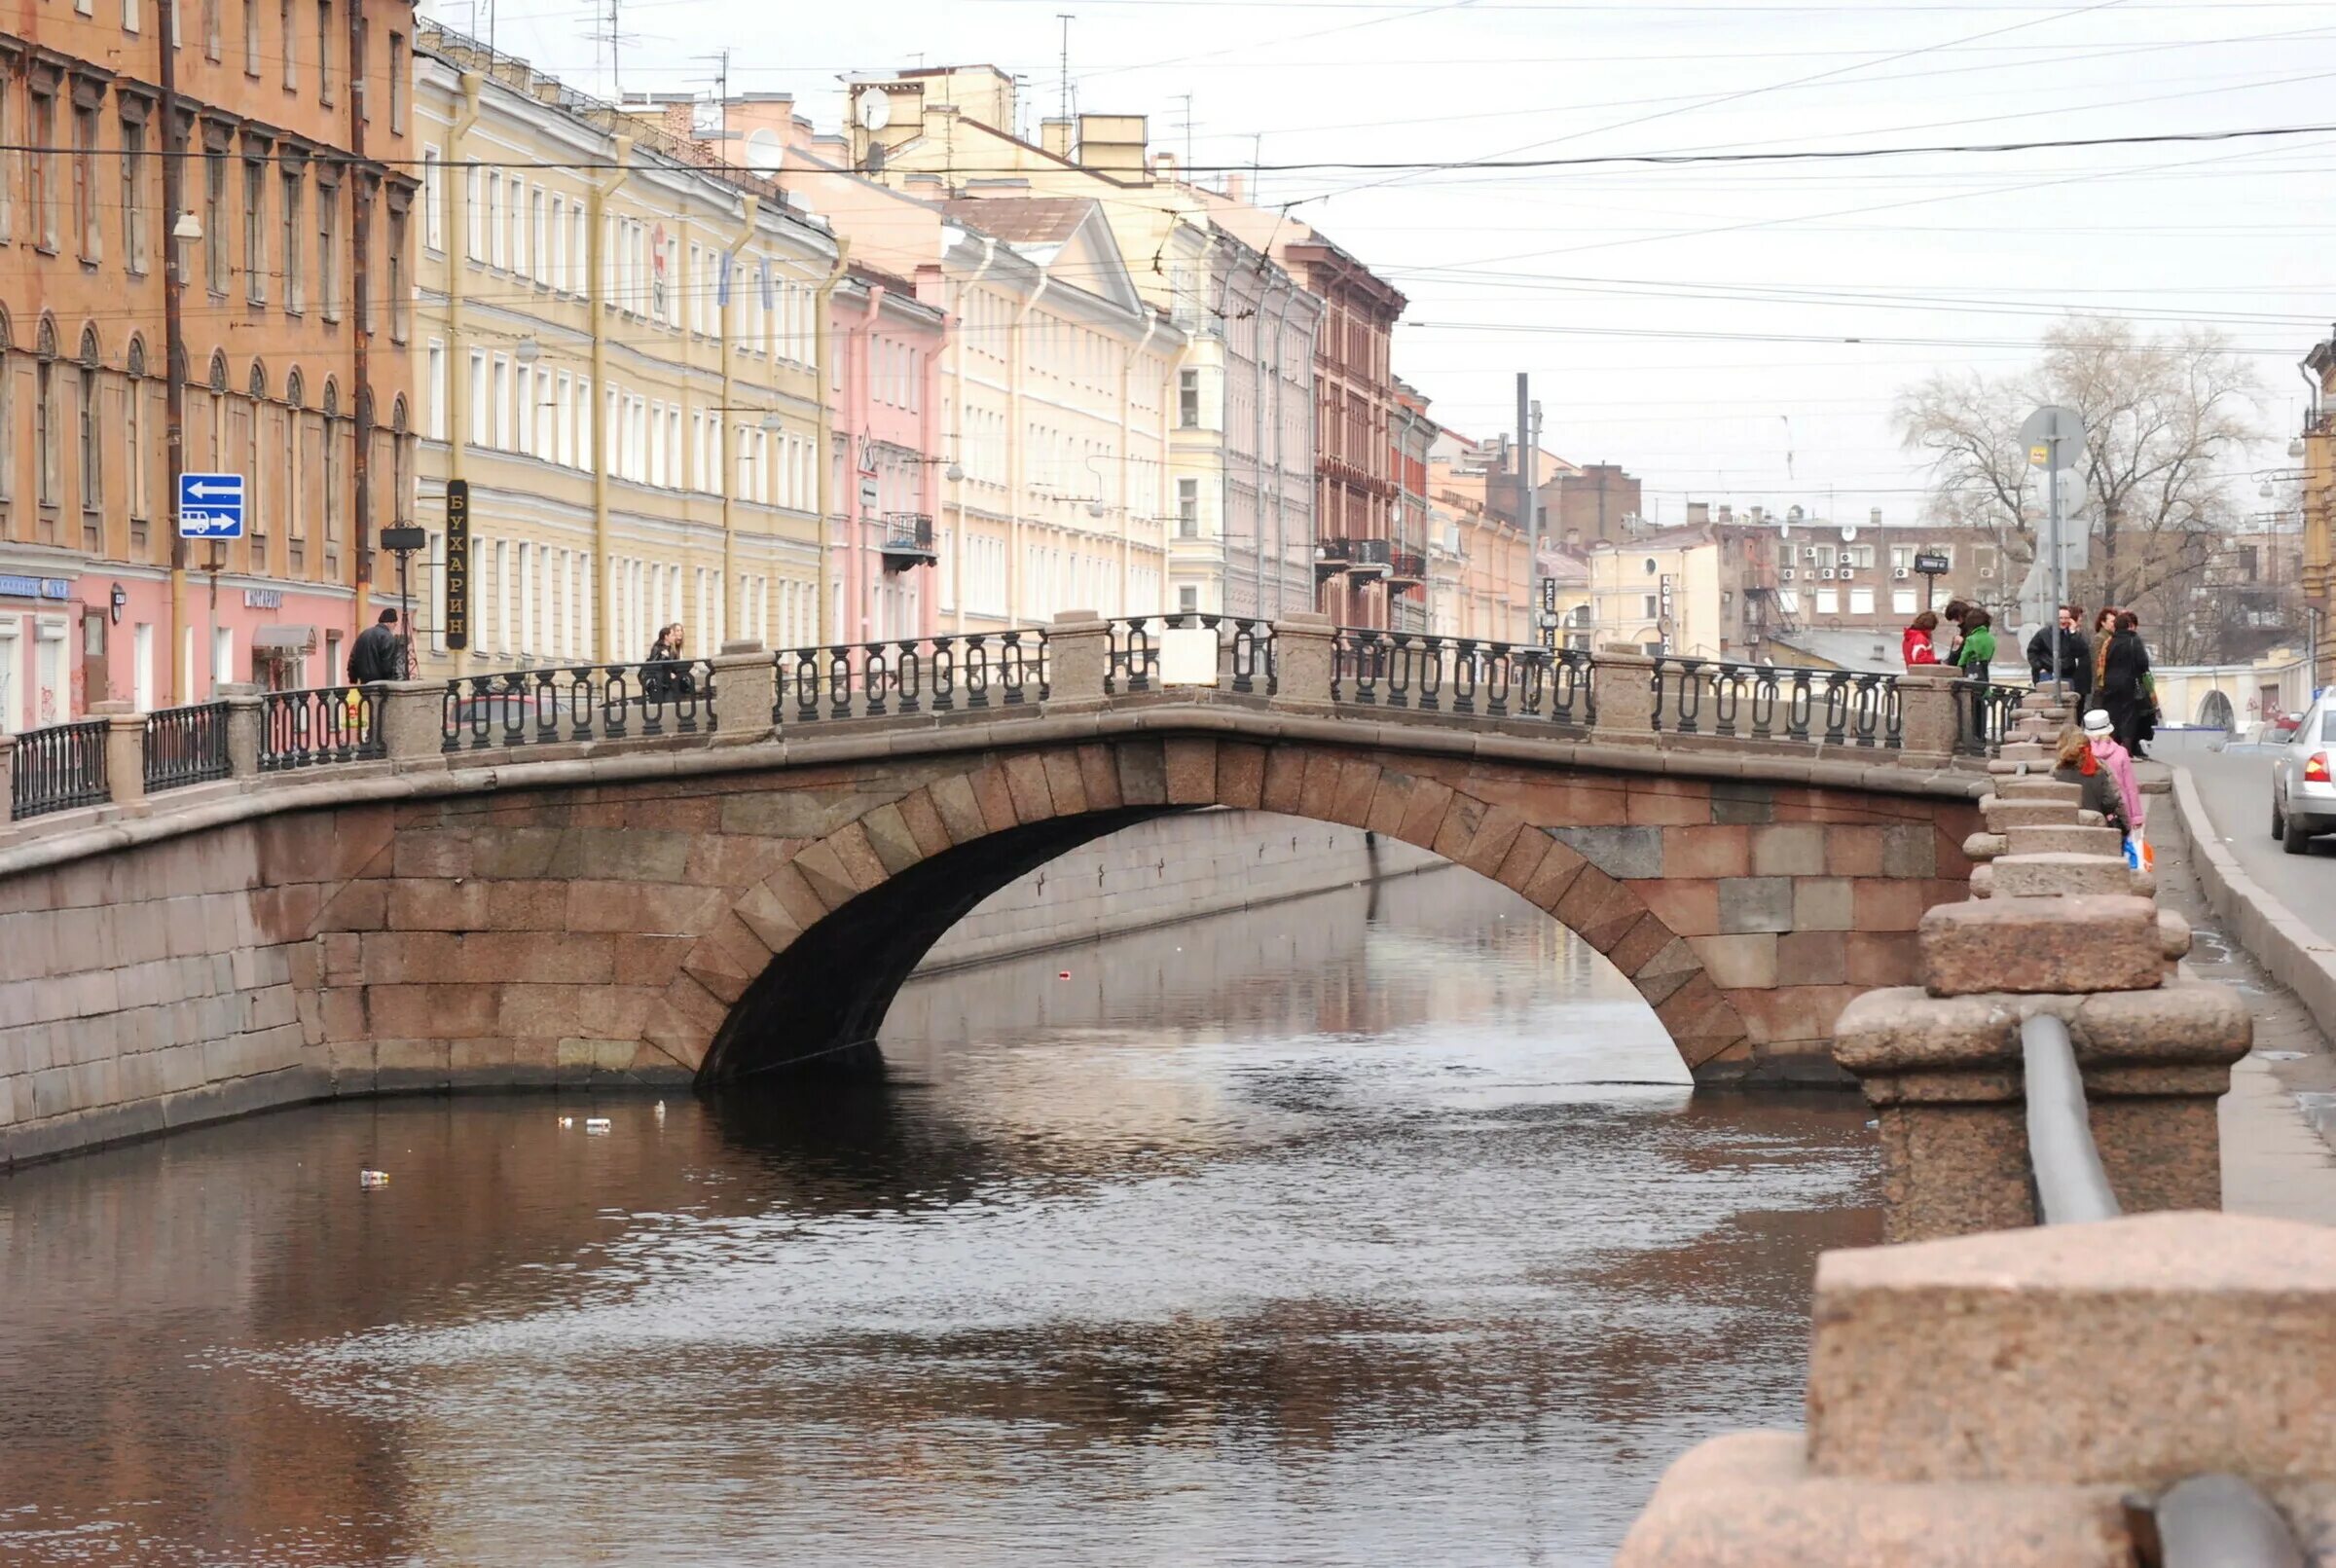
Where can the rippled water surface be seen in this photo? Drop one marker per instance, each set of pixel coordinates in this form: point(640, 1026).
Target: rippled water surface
point(1377, 1228)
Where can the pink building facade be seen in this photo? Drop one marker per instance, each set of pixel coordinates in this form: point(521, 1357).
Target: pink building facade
point(885, 381)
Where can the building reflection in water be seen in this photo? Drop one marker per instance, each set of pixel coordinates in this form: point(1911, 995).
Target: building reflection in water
point(1282, 1236)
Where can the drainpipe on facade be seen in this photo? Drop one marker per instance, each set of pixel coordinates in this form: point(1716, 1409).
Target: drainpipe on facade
point(957, 425)
point(596, 260)
point(823, 344)
point(753, 207)
point(1257, 457)
point(1128, 372)
point(174, 352)
point(458, 259)
point(360, 334)
point(856, 564)
point(1014, 452)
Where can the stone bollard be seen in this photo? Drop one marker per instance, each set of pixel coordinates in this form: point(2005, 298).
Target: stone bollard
point(1304, 658)
point(1927, 724)
point(745, 689)
point(1941, 1063)
point(125, 750)
point(1623, 686)
point(1995, 1400)
point(1078, 660)
point(246, 711)
point(413, 721)
point(8, 773)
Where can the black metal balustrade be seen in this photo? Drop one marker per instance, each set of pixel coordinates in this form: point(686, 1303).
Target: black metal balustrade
point(186, 746)
point(304, 729)
point(1765, 701)
point(585, 702)
point(58, 767)
point(1984, 712)
point(1134, 654)
point(971, 673)
point(1423, 672)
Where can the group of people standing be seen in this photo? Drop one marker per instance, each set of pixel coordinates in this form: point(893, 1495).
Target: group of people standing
point(2111, 661)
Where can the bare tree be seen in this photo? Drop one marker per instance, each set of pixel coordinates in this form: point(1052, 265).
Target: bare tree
point(2165, 418)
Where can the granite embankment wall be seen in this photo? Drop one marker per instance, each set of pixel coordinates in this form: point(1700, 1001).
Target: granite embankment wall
point(1175, 868)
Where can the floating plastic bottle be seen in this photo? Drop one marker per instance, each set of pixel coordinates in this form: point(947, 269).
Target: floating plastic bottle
point(373, 1179)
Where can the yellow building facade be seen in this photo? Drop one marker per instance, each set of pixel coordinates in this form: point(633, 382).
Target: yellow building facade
point(619, 351)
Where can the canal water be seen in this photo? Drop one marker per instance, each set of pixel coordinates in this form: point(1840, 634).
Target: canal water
point(1377, 1228)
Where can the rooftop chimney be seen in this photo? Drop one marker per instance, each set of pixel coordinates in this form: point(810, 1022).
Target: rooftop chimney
point(1700, 512)
point(1236, 188)
point(1874, 517)
point(1054, 135)
point(1164, 167)
point(1112, 143)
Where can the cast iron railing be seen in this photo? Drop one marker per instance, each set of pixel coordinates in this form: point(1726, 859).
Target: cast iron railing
point(186, 746)
point(584, 702)
point(303, 729)
point(2213, 1521)
point(58, 767)
point(971, 673)
point(1983, 715)
point(1426, 673)
point(908, 531)
point(1135, 653)
point(1765, 701)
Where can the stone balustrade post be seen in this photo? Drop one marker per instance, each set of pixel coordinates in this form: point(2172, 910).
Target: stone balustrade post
point(1941, 1062)
point(412, 714)
point(1305, 657)
point(1078, 658)
point(246, 711)
point(745, 689)
point(1928, 723)
point(8, 776)
point(125, 750)
point(1622, 684)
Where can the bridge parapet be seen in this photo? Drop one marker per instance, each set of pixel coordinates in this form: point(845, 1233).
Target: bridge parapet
point(109, 769)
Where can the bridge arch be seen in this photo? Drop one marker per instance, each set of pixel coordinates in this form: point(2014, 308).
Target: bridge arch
point(799, 971)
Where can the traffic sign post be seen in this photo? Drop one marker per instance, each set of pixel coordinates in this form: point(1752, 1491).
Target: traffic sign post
point(402, 542)
point(2055, 439)
point(210, 506)
point(1930, 566)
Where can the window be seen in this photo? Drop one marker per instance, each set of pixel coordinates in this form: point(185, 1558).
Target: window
point(1861, 601)
point(498, 253)
point(556, 259)
point(87, 430)
point(540, 250)
point(1652, 606)
point(433, 200)
point(324, 51)
point(1829, 602)
point(433, 391)
point(335, 463)
point(45, 418)
point(1902, 602)
point(8, 202)
point(84, 181)
point(328, 249)
point(214, 220)
point(401, 298)
point(518, 217)
point(500, 415)
point(1187, 599)
point(255, 227)
point(397, 84)
point(210, 29)
point(479, 406)
point(41, 169)
point(251, 37)
point(133, 194)
point(133, 432)
point(283, 35)
point(1187, 508)
point(295, 286)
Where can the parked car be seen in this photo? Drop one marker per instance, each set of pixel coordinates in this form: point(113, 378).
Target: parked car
point(2303, 795)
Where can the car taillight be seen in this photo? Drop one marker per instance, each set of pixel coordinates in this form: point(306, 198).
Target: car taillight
point(2315, 770)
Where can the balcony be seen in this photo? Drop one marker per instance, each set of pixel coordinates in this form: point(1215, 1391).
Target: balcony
point(907, 541)
point(1331, 557)
point(1404, 569)
point(1368, 558)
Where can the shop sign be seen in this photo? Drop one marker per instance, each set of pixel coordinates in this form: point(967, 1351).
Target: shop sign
point(14, 587)
point(263, 598)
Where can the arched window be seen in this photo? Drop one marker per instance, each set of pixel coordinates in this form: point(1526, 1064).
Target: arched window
point(47, 417)
point(88, 431)
point(137, 461)
point(401, 464)
point(7, 413)
point(336, 465)
point(296, 468)
point(258, 485)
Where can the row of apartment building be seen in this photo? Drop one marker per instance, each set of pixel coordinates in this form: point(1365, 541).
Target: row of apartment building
point(692, 363)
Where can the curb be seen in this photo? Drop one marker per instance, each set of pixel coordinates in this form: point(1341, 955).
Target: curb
point(2289, 951)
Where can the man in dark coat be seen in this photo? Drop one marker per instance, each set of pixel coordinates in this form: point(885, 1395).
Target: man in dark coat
point(377, 654)
point(2076, 655)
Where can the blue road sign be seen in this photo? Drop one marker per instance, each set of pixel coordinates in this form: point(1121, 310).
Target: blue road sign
point(210, 506)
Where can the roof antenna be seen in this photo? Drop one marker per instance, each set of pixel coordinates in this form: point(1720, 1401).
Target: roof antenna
point(1065, 17)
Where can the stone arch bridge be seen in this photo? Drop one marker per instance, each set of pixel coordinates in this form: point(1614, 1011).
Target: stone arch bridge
point(549, 878)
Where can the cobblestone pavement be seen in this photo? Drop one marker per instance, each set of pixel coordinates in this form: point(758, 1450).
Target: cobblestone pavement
point(2277, 1155)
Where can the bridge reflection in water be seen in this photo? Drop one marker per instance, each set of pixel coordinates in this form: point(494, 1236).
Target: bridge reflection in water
point(1317, 1241)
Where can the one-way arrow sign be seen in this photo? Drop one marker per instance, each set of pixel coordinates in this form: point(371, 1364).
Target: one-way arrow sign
point(210, 506)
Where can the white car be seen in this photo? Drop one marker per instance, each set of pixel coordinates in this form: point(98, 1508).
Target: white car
point(2303, 793)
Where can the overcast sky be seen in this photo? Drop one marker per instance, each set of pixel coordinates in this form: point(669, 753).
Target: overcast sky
point(1687, 321)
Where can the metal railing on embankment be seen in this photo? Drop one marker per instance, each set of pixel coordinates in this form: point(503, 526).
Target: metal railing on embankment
point(1427, 673)
point(1766, 701)
point(186, 746)
point(972, 672)
point(2207, 1522)
point(566, 703)
point(58, 768)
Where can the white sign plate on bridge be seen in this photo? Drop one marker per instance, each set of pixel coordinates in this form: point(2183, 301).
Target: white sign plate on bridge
point(210, 506)
point(1189, 656)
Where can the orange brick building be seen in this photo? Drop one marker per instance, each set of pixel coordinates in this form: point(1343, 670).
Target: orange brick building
point(281, 127)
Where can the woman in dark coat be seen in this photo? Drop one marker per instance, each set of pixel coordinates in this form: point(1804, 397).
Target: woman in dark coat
point(2125, 685)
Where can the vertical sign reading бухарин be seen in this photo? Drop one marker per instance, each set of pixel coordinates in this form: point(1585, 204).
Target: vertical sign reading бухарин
point(458, 564)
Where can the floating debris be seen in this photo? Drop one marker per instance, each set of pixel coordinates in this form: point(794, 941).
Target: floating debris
point(661, 1111)
point(567, 1121)
point(372, 1178)
point(596, 1124)
point(1064, 975)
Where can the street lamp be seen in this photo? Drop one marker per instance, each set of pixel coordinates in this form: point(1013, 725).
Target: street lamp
point(528, 351)
point(188, 227)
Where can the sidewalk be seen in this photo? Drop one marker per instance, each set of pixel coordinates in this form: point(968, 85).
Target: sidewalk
point(2275, 1160)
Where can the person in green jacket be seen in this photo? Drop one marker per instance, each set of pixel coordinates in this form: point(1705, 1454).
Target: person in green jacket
point(1976, 651)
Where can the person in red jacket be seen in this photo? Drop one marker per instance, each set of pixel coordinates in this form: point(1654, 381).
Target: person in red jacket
point(1919, 647)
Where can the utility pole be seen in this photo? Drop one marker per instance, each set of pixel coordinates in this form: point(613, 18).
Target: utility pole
point(1524, 488)
point(174, 348)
